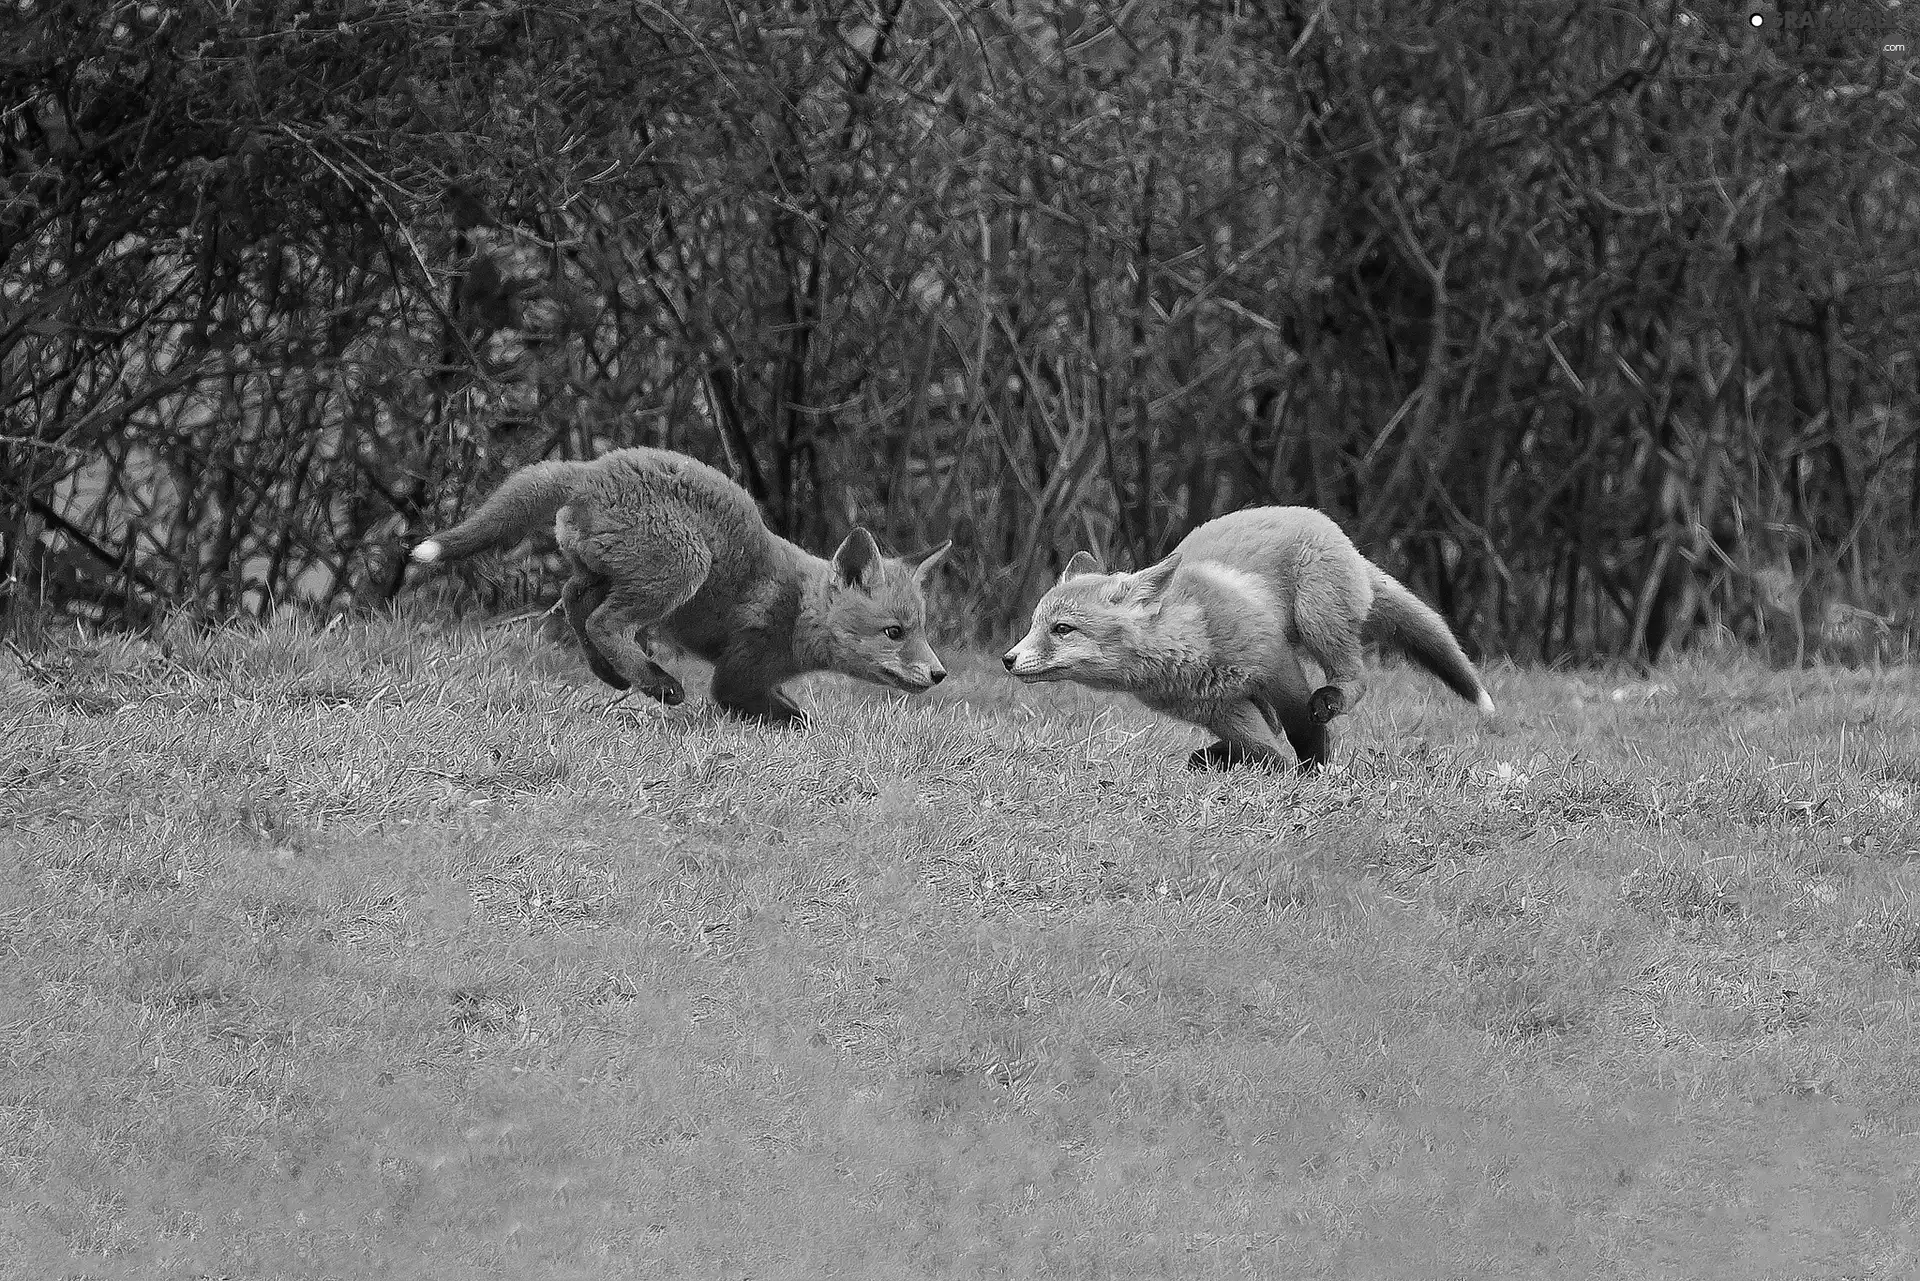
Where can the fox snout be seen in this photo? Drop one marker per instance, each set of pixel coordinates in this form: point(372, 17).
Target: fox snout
point(1024, 662)
point(918, 677)
point(917, 671)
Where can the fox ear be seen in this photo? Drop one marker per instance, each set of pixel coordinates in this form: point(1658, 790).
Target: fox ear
point(1150, 584)
point(924, 563)
point(1082, 563)
point(853, 563)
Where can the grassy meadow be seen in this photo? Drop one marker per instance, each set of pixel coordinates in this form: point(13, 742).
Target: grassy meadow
point(387, 950)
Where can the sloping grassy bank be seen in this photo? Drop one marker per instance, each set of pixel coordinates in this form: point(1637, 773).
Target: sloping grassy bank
point(387, 950)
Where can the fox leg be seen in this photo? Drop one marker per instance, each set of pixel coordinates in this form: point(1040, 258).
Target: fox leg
point(1289, 706)
point(1328, 623)
point(1225, 755)
point(583, 594)
point(746, 693)
point(1305, 734)
point(634, 606)
point(1245, 739)
point(647, 575)
point(1336, 698)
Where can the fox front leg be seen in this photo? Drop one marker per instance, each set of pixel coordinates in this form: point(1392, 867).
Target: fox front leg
point(747, 696)
point(1225, 755)
point(1245, 739)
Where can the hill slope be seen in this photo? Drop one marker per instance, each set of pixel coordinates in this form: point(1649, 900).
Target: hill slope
point(384, 951)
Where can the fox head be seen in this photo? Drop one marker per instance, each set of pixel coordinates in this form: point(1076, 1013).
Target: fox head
point(872, 622)
point(1088, 627)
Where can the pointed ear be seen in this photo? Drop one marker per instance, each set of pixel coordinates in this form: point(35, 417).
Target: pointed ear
point(1150, 584)
point(1082, 563)
point(854, 563)
point(923, 564)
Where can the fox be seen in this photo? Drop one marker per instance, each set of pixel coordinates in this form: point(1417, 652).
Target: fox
point(1215, 634)
point(657, 540)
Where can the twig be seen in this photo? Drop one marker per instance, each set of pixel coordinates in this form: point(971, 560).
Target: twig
point(520, 616)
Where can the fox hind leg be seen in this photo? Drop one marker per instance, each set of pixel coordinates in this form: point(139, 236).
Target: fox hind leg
point(632, 607)
point(1291, 709)
point(1327, 618)
point(583, 594)
point(1306, 734)
point(613, 630)
point(650, 569)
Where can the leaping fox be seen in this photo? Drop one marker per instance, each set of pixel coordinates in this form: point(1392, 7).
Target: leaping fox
point(1214, 633)
point(655, 538)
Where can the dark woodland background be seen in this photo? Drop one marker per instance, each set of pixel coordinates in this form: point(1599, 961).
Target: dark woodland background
point(1596, 323)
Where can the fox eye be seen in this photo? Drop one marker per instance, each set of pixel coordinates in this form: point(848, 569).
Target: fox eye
point(1064, 629)
point(894, 632)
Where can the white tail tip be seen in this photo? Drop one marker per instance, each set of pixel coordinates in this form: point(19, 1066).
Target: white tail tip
point(428, 552)
point(1485, 704)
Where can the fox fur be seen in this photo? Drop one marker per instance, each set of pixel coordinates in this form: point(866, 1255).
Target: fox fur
point(657, 539)
point(1215, 633)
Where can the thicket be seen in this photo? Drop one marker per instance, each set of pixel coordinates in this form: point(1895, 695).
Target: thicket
point(1594, 322)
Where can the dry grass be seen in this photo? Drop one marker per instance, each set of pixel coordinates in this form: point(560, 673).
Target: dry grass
point(380, 951)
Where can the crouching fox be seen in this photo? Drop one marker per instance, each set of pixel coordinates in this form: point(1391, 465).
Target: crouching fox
point(656, 539)
point(1214, 634)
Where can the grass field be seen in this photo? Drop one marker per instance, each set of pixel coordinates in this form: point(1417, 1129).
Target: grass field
point(389, 951)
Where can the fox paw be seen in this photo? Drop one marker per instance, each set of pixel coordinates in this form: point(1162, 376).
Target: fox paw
point(1225, 755)
point(777, 710)
point(1208, 758)
point(775, 714)
point(669, 692)
point(1327, 702)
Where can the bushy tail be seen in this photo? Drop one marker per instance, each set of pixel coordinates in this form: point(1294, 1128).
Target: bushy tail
point(1410, 625)
point(528, 498)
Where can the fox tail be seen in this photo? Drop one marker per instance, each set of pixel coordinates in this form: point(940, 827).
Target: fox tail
point(1410, 625)
point(528, 498)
